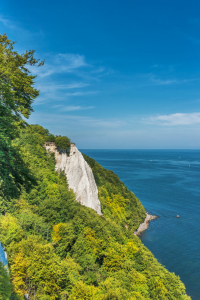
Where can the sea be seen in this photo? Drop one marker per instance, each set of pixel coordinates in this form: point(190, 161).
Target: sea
point(167, 182)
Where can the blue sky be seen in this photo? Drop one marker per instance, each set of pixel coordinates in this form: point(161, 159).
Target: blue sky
point(117, 74)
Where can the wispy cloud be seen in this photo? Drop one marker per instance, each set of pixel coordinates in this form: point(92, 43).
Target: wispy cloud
point(6, 22)
point(56, 87)
point(77, 121)
point(82, 93)
point(158, 81)
point(73, 108)
point(20, 32)
point(58, 93)
point(69, 64)
point(175, 119)
point(63, 76)
point(163, 81)
point(60, 63)
point(73, 61)
point(99, 70)
point(61, 68)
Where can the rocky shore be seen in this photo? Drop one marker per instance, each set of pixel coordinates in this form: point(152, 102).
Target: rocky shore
point(143, 226)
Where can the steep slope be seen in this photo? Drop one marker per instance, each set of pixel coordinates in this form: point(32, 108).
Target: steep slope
point(79, 175)
point(59, 249)
point(117, 202)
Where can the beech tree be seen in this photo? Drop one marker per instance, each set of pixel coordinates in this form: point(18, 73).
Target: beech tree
point(5, 286)
point(17, 94)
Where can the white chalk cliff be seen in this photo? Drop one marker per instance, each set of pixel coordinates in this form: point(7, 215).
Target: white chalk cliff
point(79, 175)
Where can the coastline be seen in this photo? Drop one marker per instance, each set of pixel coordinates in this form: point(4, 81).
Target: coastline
point(143, 226)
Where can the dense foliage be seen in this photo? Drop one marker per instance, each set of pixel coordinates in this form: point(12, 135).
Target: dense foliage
point(58, 249)
point(16, 96)
point(62, 142)
point(5, 286)
point(16, 82)
point(13, 171)
point(118, 203)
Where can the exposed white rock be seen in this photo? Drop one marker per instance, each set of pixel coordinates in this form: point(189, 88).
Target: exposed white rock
point(79, 175)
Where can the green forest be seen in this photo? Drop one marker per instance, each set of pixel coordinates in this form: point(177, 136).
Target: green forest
point(57, 248)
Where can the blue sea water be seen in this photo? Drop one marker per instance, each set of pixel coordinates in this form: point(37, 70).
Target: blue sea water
point(3, 258)
point(167, 182)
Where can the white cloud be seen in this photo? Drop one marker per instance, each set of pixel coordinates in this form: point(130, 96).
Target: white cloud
point(57, 93)
point(72, 108)
point(158, 81)
point(82, 93)
point(69, 64)
point(99, 70)
point(55, 87)
point(176, 119)
point(64, 75)
point(73, 61)
point(163, 82)
point(6, 22)
point(19, 31)
point(60, 63)
point(76, 121)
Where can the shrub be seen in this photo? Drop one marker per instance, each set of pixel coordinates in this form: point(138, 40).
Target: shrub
point(62, 142)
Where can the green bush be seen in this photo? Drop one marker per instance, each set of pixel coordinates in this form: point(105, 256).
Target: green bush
point(62, 142)
point(59, 249)
point(50, 138)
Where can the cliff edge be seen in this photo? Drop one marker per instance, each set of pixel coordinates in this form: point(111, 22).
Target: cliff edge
point(79, 175)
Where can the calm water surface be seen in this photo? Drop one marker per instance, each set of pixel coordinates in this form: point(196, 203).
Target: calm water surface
point(167, 182)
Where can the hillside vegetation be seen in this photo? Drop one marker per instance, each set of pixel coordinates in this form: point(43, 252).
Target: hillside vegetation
point(61, 142)
point(58, 249)
point(118, 203)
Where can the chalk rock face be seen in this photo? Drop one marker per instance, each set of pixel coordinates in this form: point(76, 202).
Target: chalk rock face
point(79, 175)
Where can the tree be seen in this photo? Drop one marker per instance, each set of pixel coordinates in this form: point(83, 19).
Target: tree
point(62, 142)
point(5, 286)
point(16, 82)
point(16, 97)
point(36, 269)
